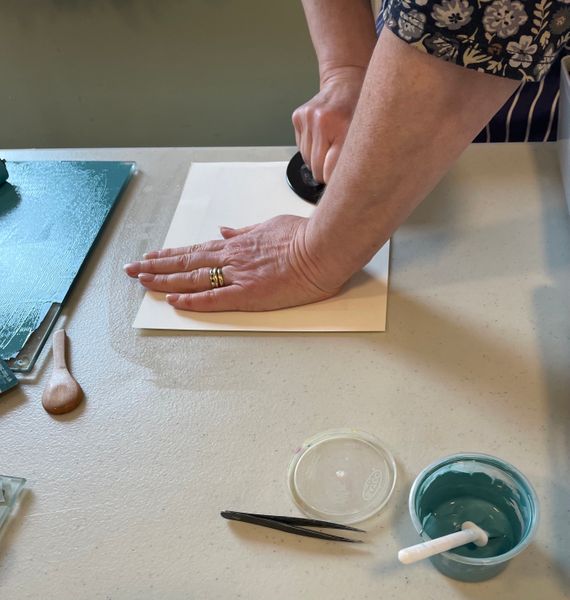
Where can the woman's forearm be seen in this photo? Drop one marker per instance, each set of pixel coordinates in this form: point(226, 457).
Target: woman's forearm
point(415, 116)
point(342, 32)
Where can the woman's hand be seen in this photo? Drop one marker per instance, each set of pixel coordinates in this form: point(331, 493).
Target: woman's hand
point(264, 267)
point(322, 123)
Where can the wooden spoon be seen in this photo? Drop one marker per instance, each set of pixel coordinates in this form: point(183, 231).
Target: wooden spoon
point(62, 394)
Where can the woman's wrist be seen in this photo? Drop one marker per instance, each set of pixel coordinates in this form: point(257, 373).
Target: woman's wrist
point(335, 72)
point(342, 31)
point(327, 254)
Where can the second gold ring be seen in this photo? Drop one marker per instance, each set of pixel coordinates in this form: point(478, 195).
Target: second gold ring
point(216, 277)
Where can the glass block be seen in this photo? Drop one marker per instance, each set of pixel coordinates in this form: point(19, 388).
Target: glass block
point(10, 490)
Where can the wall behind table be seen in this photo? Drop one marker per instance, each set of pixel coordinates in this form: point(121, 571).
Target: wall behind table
point(82, 73)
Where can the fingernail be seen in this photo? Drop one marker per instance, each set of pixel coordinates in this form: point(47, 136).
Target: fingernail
point(172, 298)
point(148, 255)
point(146, 277)
point(130, 267)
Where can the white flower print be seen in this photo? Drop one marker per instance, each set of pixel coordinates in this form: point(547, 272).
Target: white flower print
point(452, 14)
point(504, 17)
point(545, 63)
point(410, 3)
point(511, 38)
point(522, 52)
point(391, 23)
point(442, 47)
point(560, 22)
point(411, 25)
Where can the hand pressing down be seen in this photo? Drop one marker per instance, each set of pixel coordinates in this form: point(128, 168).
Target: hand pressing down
point(264, 267)
point(321, 124)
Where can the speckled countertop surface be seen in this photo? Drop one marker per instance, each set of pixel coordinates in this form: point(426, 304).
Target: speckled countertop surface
point(124, 494)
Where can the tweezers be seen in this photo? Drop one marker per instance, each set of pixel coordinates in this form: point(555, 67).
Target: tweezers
point(294, 525)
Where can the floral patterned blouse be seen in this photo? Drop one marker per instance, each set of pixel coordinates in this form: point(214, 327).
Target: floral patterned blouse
point(510, 38)
point(519, 39)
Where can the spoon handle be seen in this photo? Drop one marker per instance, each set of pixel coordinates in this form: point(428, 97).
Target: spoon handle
point(469, 533)
point(59, 349)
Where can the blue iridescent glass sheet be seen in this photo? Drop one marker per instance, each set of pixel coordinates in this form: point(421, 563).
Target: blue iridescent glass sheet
point(51, 213)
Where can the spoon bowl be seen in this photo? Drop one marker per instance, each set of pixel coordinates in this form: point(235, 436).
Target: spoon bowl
point(62, 394)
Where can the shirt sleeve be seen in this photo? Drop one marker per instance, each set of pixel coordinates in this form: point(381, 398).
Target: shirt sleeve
point(508, 38)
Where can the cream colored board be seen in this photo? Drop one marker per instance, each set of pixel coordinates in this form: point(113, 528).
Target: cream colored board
point(239, 194)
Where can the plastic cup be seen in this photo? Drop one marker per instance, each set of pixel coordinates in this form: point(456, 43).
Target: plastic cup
point(482, 478)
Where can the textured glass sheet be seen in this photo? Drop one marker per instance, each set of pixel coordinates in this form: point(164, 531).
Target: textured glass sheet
point(3, 172)
point(51, 213)
point(10, 490)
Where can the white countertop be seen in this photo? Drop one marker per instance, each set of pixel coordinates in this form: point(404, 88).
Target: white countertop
point(125, 493)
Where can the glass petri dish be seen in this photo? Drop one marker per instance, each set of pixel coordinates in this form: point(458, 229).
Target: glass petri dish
point(342, 475)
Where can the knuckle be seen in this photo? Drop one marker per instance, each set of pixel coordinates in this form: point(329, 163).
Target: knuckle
point(322, 117)
point(191, 277)
point(195, 248)
point(236, 247)
point(181, 262)
point(301, 113)
point(209, 297)
point(229, 250)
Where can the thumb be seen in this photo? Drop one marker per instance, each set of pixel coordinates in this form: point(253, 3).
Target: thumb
point(230, 232)
point(331, 159)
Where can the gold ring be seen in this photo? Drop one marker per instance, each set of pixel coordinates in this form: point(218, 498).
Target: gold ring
point(216, 277)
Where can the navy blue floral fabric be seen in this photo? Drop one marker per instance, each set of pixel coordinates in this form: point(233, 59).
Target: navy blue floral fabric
point(509, 38)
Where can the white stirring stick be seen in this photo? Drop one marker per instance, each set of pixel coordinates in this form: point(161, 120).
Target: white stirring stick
point(470, 533)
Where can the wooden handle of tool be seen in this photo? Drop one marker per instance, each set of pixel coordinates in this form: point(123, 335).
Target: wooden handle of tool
point(59, 349)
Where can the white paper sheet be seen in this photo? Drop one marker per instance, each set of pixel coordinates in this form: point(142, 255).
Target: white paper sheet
point(239, 194)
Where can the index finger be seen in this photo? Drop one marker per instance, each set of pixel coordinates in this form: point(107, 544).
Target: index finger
point(203, 247)
point(173, 264)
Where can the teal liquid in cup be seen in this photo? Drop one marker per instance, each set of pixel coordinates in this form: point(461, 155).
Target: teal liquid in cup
point(497, 520)
point(482, 489)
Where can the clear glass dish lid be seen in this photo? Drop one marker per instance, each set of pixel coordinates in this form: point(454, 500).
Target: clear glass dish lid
point(342, 475)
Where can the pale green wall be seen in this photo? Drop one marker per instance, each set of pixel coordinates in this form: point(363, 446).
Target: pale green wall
point(80, 73)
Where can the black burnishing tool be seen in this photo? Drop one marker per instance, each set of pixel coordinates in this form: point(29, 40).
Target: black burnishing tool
point(302, 182)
